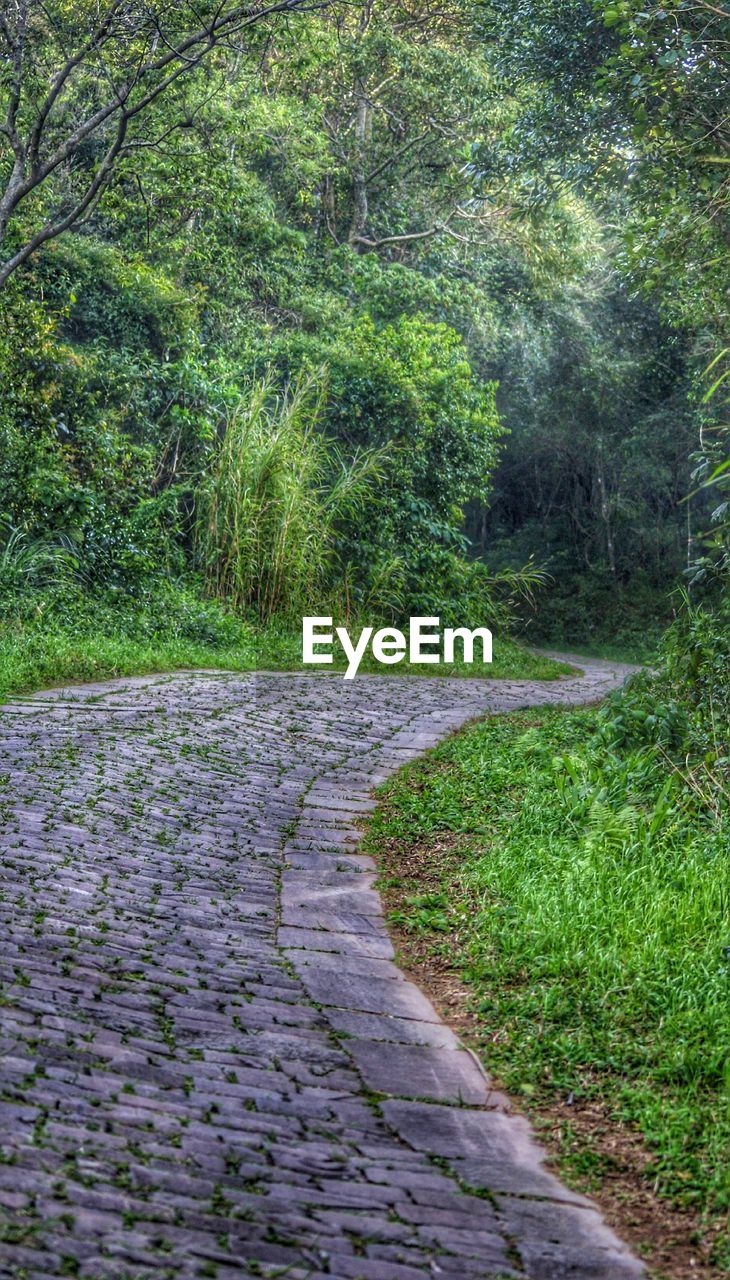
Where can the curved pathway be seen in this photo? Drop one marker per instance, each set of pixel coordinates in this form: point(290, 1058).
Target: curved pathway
point(209, 1063)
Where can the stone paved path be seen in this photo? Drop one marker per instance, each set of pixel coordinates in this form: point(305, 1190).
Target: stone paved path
point(209, 1063)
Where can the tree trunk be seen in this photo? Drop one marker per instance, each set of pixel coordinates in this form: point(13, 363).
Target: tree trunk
point(605, 510)
point(363, 129)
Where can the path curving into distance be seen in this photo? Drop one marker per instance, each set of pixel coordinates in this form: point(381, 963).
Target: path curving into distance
point(209, 1064)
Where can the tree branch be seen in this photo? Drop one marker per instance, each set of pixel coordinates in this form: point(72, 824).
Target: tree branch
point(96, 39)
point(396, 156)
point(153, 75)
point(52, 229)
point(401, 239)
point(17, 47)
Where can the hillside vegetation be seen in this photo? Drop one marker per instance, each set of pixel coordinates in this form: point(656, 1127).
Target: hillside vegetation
point(390, 310)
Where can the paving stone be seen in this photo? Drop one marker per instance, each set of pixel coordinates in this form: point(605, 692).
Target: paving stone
point(486, 1149)
point(343, 962)
point(409, 1071)
point(561, 1262)
point(368, 995)
point(202, 1003)
point(385, 1028)
point(326, 940)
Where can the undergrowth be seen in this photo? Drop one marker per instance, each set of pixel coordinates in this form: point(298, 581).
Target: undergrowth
point(51, 636)
point(574, 867)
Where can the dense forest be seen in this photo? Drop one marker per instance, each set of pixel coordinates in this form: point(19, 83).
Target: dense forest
point(379, 309)
point(451, 277)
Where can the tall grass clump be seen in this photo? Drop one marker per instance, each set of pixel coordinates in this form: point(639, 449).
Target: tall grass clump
point(28, 563)
point(278, 489)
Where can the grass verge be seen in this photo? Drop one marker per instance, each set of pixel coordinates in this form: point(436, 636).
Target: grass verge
point(578, 936)
point(51, 639)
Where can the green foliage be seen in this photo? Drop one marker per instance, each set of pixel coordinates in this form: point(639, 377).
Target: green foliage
point(77, 459)
point(670, 72)
point(588, 612)
point(67, 632)
point(445, 584)
point(277, 489)
point(428, 213)
point(118, 298)
point(576, 871)
point(621, 96)
point(408, 387)
point(625, 102)
point(27, 564)
point(711, 565)
point(70, 633)
point(694, 670)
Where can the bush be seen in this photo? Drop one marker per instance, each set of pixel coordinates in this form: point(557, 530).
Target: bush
point(671, 728)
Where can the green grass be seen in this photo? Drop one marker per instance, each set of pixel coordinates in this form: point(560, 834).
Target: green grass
point(282, 650)
point(587, 913)
point(53, 639)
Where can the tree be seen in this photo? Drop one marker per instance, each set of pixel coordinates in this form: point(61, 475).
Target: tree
point(77, 82)
point(399, 92)
point(620, 95)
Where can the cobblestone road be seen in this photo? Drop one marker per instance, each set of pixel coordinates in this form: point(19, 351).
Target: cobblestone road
point(209, 1063)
